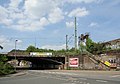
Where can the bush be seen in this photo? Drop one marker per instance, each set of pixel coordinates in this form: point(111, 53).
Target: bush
point(5, 68)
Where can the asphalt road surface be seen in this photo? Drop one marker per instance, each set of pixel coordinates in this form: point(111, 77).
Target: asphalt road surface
point(63, 77)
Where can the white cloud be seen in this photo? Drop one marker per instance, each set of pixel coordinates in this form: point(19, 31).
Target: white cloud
point(78, 12)
point(9, 43)
point(33, 15)
point(31, 25)
point(80, 1)
point(6, 43)
point(3, 12)
point(39, 8)
point(6, 21)
point(56, 15)
point(70, 24)
point(54, 47)
point(36, 14)
point(15, 3)
point(93, 24)
point(44, 21)
point(4, 16)
point(15, 16)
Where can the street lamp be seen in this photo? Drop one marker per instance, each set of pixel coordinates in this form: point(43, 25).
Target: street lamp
point(15, 53)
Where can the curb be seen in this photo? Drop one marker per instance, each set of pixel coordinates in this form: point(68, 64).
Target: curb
point(14, 75)
point(17, 74)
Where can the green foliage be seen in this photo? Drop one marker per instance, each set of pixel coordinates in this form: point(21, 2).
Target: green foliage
point(34, 49)
point(31, 49)
point(5, 68)
point(62, 52)
point(3, 58)
point(94, 48)
point(90, 45)
point(99, 48)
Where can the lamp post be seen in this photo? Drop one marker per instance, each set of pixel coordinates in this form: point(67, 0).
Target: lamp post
point(15, 53)
point(66, 42)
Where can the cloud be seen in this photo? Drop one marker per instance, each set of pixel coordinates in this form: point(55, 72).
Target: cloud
point(6, 43)
point(63, 2)
point(44, 21)
point(39, 8)
point(32, 15)
point(15, 3)
point(54, 47)
point(56, 15)
point(80, 1)
point(70, 24)
point(9, 43)
point(78, 12)
point(30, 25)
point(3, 16)
point(93, 24)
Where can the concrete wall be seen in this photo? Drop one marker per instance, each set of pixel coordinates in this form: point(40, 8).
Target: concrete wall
point(88, 63)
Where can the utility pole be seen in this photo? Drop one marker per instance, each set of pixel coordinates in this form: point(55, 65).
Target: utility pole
point(75, 35)
point(66, 42)
point(66, 57)
point(35, 42)
point(15, 53)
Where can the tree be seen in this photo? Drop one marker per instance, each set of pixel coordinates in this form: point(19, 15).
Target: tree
point(89, 45)
point(5, 68)
point(94, 48)
point(31, 49)
point(99, 48)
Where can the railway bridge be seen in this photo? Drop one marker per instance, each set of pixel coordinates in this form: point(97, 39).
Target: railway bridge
point(36, 62)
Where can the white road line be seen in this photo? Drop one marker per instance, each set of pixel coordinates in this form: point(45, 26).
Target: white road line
point(115, 76)
point(81, 82)
point(83, 78)
point(4, 77)
point(101, 81)
point(68, 83)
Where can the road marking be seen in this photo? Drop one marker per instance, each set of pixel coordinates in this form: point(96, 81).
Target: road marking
point(68, 83)
point(62, 73)
point(101, 81)
point(4, 77)
point(83, 78)
point(115, 76)
point(88, 83)
point(81, 82)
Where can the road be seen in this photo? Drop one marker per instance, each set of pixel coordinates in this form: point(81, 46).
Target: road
point(63, 77)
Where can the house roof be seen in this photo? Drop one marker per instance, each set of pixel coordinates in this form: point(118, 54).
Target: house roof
point(112, 41)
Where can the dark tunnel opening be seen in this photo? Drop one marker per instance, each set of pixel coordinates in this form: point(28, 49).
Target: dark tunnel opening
point(40, 63)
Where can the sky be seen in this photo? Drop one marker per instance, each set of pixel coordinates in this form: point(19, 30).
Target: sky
point(45, 23)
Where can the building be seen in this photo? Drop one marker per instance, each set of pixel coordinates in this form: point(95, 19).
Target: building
point(112, 55)
point(113, 44)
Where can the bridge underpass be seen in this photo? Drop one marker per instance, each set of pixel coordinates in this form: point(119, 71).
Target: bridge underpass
point(39, 62)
